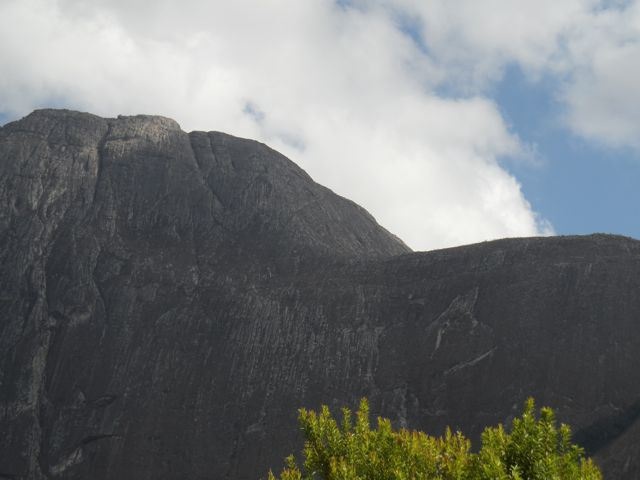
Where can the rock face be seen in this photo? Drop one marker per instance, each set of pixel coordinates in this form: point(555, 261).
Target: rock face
point(168, 300)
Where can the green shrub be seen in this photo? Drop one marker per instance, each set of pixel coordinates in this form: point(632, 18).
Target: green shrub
point(534, 449)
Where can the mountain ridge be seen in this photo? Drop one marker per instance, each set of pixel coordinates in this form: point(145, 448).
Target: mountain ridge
point(169, 299)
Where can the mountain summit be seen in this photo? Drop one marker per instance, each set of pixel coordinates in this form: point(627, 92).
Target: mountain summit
point(169, 299)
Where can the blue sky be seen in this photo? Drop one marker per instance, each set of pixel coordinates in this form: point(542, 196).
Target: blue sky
point(451, 122)
point(580, 186)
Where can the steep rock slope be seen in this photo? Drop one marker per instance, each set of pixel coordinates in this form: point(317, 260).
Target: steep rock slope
point(168, 300)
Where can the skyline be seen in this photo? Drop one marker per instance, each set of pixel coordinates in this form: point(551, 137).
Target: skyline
point(450, 123)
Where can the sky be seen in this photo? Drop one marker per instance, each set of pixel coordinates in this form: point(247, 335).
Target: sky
point(451, 121)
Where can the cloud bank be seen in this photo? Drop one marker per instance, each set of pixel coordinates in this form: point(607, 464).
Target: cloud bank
point(590, 48)
point(355, 93)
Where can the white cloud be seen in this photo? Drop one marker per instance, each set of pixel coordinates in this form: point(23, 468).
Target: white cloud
point(475, 40)
point(591, 47)
point(342, 91)
point(602, 94)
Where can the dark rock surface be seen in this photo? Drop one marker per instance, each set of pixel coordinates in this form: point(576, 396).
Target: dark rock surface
point(168, 300)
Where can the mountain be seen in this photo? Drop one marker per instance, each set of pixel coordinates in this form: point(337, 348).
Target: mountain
point(169, 299)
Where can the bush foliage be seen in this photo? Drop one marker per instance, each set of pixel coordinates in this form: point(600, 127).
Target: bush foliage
point(534, 448)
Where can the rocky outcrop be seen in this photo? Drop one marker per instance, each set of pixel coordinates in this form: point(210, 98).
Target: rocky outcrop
point(168, 300)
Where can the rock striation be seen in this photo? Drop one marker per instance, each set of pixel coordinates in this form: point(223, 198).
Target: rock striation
point(169, 299)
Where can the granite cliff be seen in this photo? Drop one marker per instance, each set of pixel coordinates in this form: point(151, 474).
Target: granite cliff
point(169, 299)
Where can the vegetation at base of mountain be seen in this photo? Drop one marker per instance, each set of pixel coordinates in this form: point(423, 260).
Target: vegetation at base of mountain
point(533, 448)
